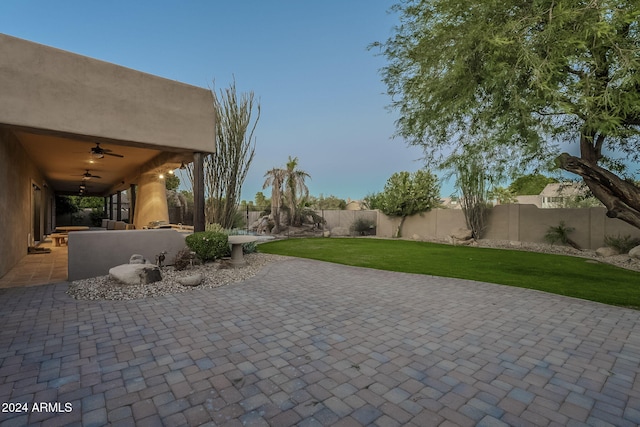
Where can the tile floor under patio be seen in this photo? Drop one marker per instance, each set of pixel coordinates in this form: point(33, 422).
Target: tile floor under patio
point(39, 269)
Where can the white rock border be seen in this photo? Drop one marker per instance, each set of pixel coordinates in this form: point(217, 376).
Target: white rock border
point(215, 275)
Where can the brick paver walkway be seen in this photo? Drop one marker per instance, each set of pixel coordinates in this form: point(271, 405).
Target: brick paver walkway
point(309, 343)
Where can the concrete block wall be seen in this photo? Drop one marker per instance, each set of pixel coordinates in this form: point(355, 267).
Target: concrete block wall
point(526, 223)
point(515, 222)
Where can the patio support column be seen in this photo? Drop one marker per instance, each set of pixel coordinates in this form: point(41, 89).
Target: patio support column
point(132, 202)
point(119, 206)
point(104, 214)
point(110, 206)
point(151, 203)
point(198, 192)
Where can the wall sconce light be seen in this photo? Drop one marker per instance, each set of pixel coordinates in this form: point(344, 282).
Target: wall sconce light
point(182, 166)
point(170, 172)
point(161, 176)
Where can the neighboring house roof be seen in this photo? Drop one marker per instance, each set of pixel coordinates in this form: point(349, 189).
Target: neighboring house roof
point(564, 189)
point(530, 200)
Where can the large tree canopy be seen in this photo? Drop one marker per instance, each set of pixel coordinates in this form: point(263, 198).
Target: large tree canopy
point(519, 77)
point(407, 194)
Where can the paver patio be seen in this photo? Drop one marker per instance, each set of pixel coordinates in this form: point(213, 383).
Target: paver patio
point(310, 343)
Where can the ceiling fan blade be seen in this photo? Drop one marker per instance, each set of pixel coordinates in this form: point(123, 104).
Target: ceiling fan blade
point(101, 152)
point(87, 175)
point(112, 154)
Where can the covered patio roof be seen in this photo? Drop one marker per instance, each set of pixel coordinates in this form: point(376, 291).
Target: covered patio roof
point(65, 159)
point(59, 105)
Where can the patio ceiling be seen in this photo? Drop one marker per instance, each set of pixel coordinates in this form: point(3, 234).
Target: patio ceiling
point(63, 159)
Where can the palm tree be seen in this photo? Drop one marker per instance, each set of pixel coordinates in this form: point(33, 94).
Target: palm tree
point(294, 185)
point(275, 178)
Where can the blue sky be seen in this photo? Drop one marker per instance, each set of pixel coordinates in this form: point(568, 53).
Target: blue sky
point(307, 61)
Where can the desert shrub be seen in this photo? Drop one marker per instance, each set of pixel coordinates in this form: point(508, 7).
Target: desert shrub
point(183, 259)
point(560, 233)
point(215, 227)
point(623, 244)
point(96, 216)
point(362, 226)
point(305, 215)
point(208, 245)
point(239, 220)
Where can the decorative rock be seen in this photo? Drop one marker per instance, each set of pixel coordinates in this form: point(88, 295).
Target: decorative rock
point(461, 234)
point(470, 242)
point(136, 274)
point(416, 237)
point(326, 233)
point(263, 225)
point(193, 280)
point(635, 252)
point(137, 259)
point(340, 231)
point(606, 251)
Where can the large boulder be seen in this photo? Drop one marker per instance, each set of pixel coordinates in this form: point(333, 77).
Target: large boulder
point(635, 252)
point(606, 251)
point(263, 225)
point(136, 274)
point(462, 234)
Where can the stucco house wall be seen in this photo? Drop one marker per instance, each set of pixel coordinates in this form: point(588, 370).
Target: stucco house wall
point(93, 253)
point(51, 89)
point(17, 173)
point(49, 92)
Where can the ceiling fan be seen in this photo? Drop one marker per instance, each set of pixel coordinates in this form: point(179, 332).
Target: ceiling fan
point(87, 175)
point(98, 152)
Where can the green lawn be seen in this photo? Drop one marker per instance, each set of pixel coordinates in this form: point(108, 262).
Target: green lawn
point(564, 275)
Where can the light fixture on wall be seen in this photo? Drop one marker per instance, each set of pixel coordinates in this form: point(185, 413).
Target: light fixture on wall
point(182, 166)
point(161, 176)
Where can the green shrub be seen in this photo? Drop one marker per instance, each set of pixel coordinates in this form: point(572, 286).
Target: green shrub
point(362, 226)
point(208, 245)
point(560, 233)
point(96, 216)
point(623, 244)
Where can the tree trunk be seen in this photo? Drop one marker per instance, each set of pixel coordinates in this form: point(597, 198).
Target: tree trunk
point(275, 212)
point(399, 230)
point(621, 198)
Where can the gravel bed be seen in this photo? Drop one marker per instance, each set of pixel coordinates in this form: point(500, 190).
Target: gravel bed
point(220, 274)
point(215, 274)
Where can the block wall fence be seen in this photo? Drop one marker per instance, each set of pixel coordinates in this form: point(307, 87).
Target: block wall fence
point(513, 222)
